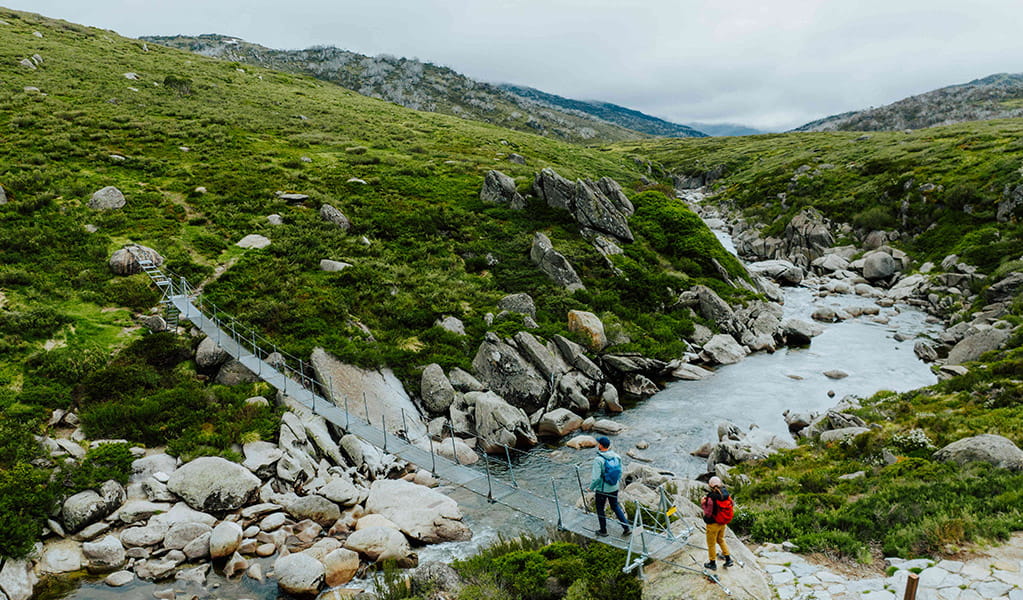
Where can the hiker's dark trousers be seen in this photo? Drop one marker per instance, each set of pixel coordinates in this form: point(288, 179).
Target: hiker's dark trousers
point(612, 499)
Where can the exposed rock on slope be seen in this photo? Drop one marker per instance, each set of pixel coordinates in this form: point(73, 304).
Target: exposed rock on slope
point(991, 97)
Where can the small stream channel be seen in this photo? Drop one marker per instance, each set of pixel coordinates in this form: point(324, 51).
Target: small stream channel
point(678, 420)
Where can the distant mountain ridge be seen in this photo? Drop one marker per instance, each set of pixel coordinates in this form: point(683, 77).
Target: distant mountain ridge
point(998, 96)
point(424, 86)
point(613, 113)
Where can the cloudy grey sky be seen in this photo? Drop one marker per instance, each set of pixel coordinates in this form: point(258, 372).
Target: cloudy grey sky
point(772, 64)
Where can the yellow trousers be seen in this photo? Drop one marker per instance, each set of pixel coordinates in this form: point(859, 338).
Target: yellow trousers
point(715, 536)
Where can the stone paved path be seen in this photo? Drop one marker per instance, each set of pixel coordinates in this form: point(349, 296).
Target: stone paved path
point(991, 575)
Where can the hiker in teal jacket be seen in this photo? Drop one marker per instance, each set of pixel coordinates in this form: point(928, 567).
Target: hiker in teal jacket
point(606, 491)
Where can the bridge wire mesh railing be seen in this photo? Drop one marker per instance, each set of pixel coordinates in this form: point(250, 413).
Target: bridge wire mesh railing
point(567, 491)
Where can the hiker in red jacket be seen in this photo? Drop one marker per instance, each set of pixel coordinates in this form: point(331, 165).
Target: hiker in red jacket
point(717, 514)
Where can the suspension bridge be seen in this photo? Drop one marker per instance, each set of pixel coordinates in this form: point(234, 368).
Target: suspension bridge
point(651, 538)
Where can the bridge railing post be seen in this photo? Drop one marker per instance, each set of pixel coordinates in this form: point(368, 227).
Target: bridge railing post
point(365, 405)
point(511, 472)
point(454, 449)
point(433, 457)
point(557, 504)
point(582, 494)
point(383, 427)
point(490, 487)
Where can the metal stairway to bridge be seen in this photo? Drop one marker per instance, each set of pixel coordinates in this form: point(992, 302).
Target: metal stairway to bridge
point(650, 541)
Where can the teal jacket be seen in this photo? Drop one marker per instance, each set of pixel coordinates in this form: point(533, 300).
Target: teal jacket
point(597, 482)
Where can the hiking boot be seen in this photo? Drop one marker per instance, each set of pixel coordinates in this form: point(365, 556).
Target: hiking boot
point(601, 533)
point(713, 566)
point(728, 561)
point(626, 531)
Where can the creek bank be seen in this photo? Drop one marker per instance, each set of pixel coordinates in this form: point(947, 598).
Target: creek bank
point(316, 508)
point(805, 255)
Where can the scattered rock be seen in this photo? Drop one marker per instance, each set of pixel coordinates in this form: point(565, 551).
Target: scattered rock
point(554, 264)
point(333, 266)
point(994, 449)
point(499, 188)
point(331, 214)
point(835, 374)
point(108, 198)
point(253, 241)
point(299, 574)
point(119, 578)
point(436, 391)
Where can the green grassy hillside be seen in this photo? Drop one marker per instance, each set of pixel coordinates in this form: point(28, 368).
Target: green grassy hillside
point(941, 186)
point(83, 108)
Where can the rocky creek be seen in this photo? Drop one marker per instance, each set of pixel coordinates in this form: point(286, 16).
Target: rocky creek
point(870, 348)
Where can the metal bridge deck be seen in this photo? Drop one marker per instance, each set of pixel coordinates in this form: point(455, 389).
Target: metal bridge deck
point(546, 506)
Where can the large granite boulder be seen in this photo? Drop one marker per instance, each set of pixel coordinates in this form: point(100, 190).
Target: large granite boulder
point(600, 205)
point(722, 349)
point(423, 514)
point(504, 370)
point(377, 391)
point(340, 566)
point(782, 271)
point(84, 508)
point(559, 423)
point(994, 449)
point(499, 424)
point(595, 210)
point(544, 356)
point(17, 579)
point(123, 262)
point(499, 188)
point(315, 508)
point(213, 484)
point(233, 372)
point(797, 332)
point(299, 574)
point(378, 544)
point(108, 198)
point(225, 539)
point(554, 264)
point(878, 265)
point(590, 326)
point(972, 346)
point(104, 556)
point(435, 389)
point(209, 354)
point(807, 236)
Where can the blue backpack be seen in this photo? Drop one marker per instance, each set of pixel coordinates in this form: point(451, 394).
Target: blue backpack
point(612, 470)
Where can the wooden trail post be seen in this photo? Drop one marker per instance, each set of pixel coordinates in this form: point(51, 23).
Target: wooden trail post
point(911, 583)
